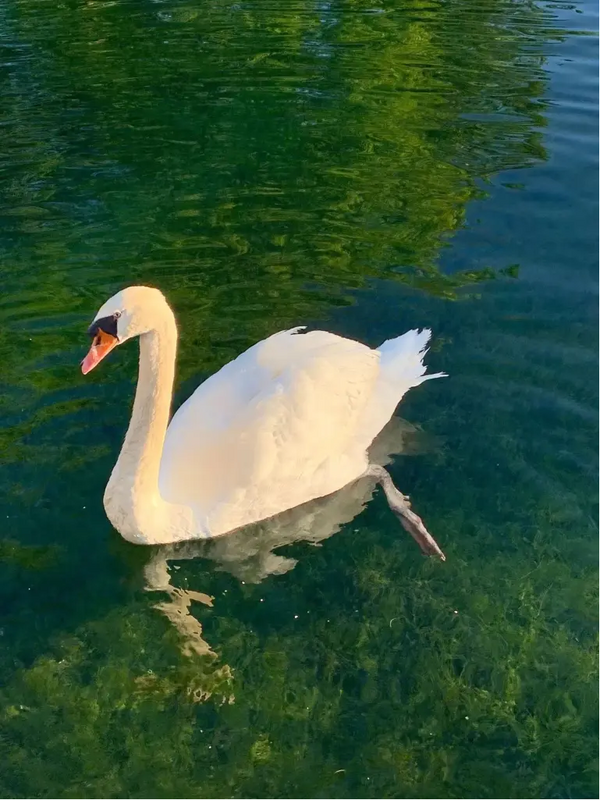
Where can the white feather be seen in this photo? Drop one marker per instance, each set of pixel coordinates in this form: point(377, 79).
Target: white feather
point(288, 421)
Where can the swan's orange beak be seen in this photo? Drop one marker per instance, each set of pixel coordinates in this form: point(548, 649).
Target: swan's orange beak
point(101, 346)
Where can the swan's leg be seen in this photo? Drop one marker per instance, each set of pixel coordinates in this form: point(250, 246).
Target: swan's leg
point(400, 505)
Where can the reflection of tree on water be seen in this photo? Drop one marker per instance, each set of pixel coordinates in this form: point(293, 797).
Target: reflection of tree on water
point(354, 166)
point(249, 554)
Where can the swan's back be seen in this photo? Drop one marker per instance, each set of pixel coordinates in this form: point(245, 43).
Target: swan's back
point(287, 421)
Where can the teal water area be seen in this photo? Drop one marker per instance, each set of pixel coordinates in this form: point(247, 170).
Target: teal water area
point(361, 168)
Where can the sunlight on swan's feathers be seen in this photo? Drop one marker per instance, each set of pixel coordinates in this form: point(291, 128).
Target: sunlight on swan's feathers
point(287, 421)
point(283, 414)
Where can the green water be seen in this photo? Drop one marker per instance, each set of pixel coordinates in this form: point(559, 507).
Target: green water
point(360, 167)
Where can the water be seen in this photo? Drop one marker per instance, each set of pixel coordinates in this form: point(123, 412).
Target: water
point(364, 168)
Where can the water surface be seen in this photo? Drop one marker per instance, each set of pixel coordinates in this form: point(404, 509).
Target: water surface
point(364, 168)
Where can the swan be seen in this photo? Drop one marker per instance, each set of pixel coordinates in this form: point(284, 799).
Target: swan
point(288, 421)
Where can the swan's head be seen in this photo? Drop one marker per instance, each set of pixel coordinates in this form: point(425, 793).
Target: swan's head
point(131, 312)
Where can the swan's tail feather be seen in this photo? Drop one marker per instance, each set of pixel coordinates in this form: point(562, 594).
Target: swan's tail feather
point(402, 358)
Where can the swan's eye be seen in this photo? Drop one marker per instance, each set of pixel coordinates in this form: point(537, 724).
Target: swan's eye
point(106, 324)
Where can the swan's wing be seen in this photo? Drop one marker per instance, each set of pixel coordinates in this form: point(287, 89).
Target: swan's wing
point(274, 428)
point(192, 461)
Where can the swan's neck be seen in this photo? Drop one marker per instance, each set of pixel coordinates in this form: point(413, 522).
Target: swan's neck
point(132, 498)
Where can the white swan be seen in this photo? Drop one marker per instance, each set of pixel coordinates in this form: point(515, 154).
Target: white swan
point(289, 420)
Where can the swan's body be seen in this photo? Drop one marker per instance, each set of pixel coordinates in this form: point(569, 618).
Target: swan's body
point(288, 421)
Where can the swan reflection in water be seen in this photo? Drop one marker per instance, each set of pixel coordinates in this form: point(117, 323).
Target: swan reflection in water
point(249, 554)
